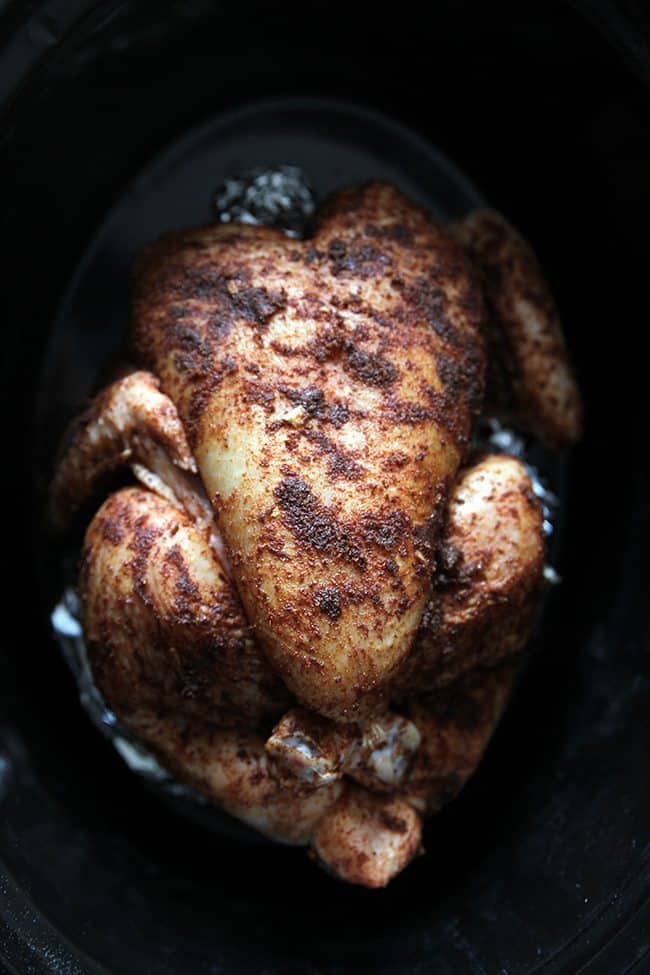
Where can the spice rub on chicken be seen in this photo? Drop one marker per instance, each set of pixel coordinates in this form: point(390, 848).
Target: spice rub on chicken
point(327, 388)
point(315, 563)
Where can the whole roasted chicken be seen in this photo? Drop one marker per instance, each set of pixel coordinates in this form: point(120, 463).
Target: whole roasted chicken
point(312, 601)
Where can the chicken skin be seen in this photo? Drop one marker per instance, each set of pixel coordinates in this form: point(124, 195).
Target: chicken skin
point(312, 606)
point(486, 589)
point(328, 390)
point(530, 381)
point(183, 644)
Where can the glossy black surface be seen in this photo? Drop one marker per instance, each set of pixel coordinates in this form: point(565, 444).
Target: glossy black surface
point(542, 864)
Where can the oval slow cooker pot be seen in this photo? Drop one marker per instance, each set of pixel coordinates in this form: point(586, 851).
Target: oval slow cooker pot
point(542, 864)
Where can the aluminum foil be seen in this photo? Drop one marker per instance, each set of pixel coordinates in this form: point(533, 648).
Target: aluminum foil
point(278, 196)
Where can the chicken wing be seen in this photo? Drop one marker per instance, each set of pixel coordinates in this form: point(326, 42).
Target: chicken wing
point(131, 423)
point(530, 377)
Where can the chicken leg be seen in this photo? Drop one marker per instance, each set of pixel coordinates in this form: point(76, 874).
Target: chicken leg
point(163, 627)
point(488, 582)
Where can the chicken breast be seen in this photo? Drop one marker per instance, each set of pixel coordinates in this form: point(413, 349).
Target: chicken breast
point(327, 388)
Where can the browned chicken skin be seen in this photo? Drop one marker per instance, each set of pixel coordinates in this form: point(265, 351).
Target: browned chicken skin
point(328, 389)
point(312, 541)
point(183, 645)
point(486, 589)
point(530, 379)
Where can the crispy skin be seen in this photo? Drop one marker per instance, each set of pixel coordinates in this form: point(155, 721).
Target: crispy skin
point(531, 382)
point(163, 626)
point(328, 389)
point(487, 587)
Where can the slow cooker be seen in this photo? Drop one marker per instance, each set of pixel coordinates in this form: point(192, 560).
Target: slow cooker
point(542, 865)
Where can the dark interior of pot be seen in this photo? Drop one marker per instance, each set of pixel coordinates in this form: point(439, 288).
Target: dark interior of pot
point(542, 863)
